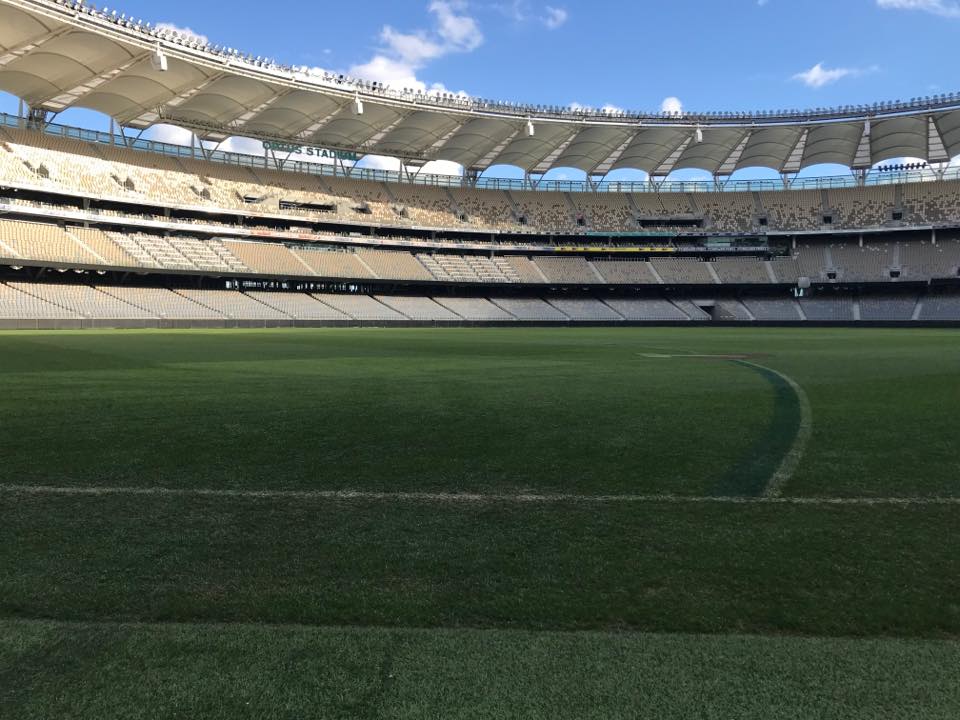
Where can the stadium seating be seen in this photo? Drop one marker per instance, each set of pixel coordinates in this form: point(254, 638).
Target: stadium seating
point(163, 303)
point(741, 270)
point(682, 270)
point(941, 306)
point(51, 162)
point(573, 270)
point(299, 306)
point(530, 309)
point(773, 309)
point(359, 307)
point(46, 243)
point(641, 309)
point(332, 264)
point(586, 309)
point(417, 308)
point(475, 309)
point(887, 307)
point(16, 304)
point(234, 305)
point(625, 272)
point(691, 310)
point(871, 263)
point(84, 300)
point(828, 308)
point(394, 265)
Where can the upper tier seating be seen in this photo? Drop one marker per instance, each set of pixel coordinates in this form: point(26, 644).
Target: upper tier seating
point(108, 171)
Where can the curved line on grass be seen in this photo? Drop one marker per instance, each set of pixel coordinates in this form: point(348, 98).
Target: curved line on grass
point(791, 460)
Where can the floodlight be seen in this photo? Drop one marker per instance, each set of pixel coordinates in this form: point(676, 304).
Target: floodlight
point(159, 60)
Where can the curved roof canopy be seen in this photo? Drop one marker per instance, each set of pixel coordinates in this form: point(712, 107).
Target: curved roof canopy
point(57, 54)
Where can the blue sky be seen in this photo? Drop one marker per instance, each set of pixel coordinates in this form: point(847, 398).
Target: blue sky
point(707, 54)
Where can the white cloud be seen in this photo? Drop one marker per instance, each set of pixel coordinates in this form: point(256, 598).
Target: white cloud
point(672, 106)
point(402, 54)
point(170, 27)
point(943, 8)
point(555, 17)
point(170, 134)
point(442, 167)
point(819, 75)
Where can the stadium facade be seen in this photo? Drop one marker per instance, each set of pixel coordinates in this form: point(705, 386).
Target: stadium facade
point(111, 229)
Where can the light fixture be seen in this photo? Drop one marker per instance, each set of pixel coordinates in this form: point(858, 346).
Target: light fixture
point(357, 105)
point(158, 61)
point(699, 134)
point(531, 130)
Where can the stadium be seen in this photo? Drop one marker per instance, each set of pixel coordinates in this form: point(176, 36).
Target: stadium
point(289, 435)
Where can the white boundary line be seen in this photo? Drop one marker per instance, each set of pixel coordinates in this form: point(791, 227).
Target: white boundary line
point(439, 497)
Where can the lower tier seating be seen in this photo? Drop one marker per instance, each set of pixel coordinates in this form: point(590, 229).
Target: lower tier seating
point(67, 301)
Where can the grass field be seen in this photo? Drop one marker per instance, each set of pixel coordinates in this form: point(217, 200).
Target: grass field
point(529, 523)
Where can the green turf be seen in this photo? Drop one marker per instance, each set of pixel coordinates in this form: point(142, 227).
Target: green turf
point(493, 608)
point(142, 672)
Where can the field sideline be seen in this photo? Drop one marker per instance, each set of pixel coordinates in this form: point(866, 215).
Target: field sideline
point(555, 523)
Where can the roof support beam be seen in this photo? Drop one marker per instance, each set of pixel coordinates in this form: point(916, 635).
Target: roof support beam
point(606, 165)
point(547, 162)
point(936, 150)
point(666, 167)
point(795, 159)
point(316, 127)
point(68, 98)
point(199, 87)
point(382, 132)
point(487, 160)
point(16, 51)
point(730, 164)
point(863, 159)
point(440, 143)
point(253, 112)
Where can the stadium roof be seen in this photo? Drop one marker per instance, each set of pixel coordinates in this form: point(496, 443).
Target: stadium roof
point(58, 54)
